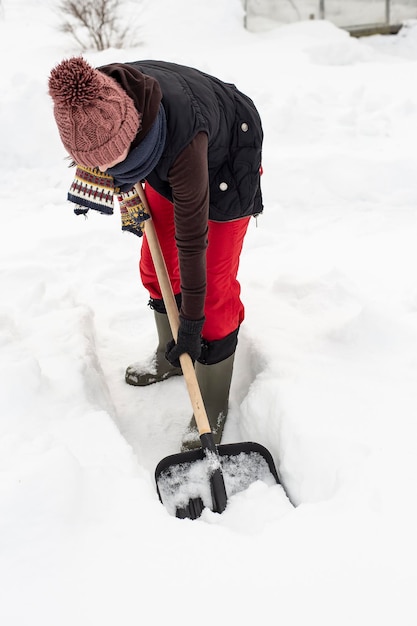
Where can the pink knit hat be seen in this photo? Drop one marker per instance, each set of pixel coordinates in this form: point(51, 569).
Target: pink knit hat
point(96, 119)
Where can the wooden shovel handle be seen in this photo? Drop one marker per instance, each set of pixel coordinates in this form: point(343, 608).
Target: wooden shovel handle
point(187, 366)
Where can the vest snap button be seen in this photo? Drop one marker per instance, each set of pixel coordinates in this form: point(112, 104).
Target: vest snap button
point(244, 127)
point(223, 186)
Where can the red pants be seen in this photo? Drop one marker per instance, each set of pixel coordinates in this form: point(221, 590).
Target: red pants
point(224, 310)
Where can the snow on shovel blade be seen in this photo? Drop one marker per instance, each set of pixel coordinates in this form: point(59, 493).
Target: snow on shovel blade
point(183, 480)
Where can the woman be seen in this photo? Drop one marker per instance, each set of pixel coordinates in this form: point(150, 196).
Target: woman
point(196, 142)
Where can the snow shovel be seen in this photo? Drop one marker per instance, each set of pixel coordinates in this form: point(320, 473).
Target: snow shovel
point(188, 482)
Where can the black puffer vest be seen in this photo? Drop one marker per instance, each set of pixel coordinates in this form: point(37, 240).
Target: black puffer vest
point(196, 102)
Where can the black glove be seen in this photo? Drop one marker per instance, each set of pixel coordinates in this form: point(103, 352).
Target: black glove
point(189, 340)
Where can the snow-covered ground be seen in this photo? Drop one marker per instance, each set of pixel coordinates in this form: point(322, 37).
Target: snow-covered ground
point(326, 366)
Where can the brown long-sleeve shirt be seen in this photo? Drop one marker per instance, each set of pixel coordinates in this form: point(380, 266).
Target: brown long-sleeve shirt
point(188, 178)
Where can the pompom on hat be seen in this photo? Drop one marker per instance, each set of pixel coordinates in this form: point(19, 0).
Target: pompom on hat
point(96, 119)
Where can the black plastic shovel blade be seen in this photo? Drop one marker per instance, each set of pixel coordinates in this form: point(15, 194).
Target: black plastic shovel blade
point(186, 483)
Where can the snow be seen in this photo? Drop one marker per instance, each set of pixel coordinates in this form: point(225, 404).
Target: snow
point(325, 374)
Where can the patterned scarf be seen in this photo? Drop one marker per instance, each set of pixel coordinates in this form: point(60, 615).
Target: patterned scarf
point(93, 189)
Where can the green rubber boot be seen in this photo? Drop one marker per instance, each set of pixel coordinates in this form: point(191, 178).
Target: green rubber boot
point(214, 381)
point(160, 369)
